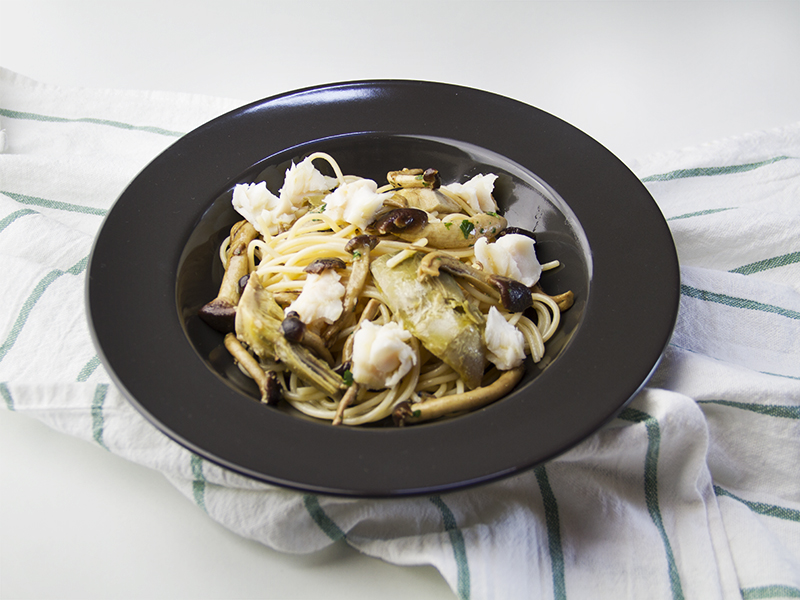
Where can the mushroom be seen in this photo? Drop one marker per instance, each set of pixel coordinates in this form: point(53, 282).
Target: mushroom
point(515, 296)
point(321, 264)
point(563, 301)
point(346, 400)
point(268, 384)
point(294, 330)
point(401, 221)
point(220, 313)
point(407, 412)
point(454, 231)
point(415, 178)
point(429, 200)
point(360, 247)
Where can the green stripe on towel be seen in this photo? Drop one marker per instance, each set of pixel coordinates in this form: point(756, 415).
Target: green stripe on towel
point(701, 213)
point(6, 394)
point(320, 517)
point(8, 220)
point(198, 482)
point(651, 490)
point(553, 523)
point(33, 298)
point(713, 171)
point(762, 508)
point(459, 547)
point(769, 410)
point(98, 419)
point(26, 116)
point(89, 368)
point(770, 591)
point(55, 204)
point(770, 263)
point(734, 302)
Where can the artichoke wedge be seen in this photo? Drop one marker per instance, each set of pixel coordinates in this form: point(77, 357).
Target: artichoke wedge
point(437, 313)
point(258, 324)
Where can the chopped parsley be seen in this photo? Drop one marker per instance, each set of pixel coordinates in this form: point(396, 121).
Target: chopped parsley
point(347, 376)
point(448, 225)
point(466, 228)
point(491, 214)
point(356, 254)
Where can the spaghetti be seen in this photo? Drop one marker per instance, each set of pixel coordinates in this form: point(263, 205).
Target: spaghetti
point(323, 253)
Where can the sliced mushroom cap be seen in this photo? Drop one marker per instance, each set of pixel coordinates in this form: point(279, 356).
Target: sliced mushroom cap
point(361, 243)
point(219, 314)
point(401, 220)
point(515, 296)
point(322, 264)
point(292, 327)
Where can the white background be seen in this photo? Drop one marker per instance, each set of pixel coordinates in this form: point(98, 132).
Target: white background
point(640, 77)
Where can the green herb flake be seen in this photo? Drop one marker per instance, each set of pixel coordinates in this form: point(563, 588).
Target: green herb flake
point(466, 228)
point(448, 225)
point(348, 378)
point(491, 214)
point(417, 413)
point(356, 254)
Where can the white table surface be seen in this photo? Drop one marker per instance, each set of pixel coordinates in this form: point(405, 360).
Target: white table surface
point(640, 77)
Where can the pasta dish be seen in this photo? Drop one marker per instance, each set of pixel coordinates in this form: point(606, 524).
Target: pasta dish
point(356, 302)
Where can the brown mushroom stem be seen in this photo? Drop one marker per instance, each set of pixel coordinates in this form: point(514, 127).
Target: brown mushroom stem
point(268, 386)
point(406, 412)
point(346, 400)
point(220, 313)
point(563, 301)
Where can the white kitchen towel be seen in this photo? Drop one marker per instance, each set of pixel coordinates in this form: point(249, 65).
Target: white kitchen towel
point(692, 492)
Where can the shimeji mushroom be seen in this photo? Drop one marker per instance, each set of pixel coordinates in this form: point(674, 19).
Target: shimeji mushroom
point(455, 230)
point(432, 408)
point(268, 384)
point(220, 313)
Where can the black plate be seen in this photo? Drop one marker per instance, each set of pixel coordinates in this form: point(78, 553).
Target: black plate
point(154, 264)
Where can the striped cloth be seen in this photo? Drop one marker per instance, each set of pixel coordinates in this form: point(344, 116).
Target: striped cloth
point(693, 492)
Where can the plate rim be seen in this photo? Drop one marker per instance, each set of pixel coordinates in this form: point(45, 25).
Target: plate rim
point(310, 100)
